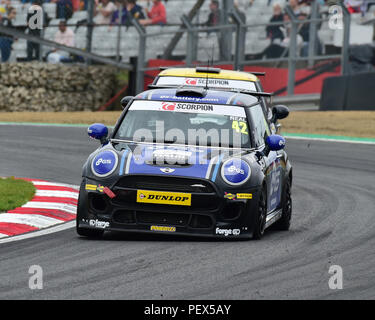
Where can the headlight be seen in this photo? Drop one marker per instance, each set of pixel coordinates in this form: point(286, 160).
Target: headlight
point(104, 163)
point(235, 171)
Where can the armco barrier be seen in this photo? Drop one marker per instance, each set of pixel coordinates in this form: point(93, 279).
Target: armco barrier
point(354, 92)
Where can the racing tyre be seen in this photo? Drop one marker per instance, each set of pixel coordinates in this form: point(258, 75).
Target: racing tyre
point(83, 231)
point(260, 220)
point(284, 222)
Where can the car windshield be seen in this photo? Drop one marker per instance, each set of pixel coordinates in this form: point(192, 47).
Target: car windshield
point(209, 82)
point(185, 123)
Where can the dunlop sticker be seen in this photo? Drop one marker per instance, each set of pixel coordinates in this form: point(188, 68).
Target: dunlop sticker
point(158, 197)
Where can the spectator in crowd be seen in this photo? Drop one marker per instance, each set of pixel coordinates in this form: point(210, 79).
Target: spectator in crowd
point(214, 19)
point(240, 13)
point(294, 6)
point(76, 5)
point(303, 12)
point(135, 10)
point(83, 5)
point(63, 36)
point(33, 48)
point(353, 6)
point(115, 17)
point(214, 15)
point(130, 10)
point(304, 31)
point(274, 33)
point(278, 49)
point(4, 6)
point(6, 41)
point(287, 32)
point(3, 12)
point(359, 6)
point(157, 14)
point(64, 9)
point(103, 11)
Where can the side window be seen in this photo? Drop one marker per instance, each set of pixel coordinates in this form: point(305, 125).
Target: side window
point(267, 109)
point(260, 127)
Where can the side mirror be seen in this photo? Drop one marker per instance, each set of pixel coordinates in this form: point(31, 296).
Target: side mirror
point(125, 101)
point(275, 142)
point(280, 112)
point(98, 131)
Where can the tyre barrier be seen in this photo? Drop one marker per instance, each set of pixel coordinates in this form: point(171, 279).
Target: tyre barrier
point(351, 92)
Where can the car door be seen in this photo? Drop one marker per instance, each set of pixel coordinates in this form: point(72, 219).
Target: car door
point(273, 168)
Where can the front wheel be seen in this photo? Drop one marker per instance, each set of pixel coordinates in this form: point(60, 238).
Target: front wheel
point(284, 222)
point(260, 220)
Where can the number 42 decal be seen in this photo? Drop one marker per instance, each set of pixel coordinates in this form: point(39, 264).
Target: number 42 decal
point(240, 126)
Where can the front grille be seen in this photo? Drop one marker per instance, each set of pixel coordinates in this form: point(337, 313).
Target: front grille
point(200, 222)
point(166, 184)
point(162, 218)
point(124, 216)
point(193, 221)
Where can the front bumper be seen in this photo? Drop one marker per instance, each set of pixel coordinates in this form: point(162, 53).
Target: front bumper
point(211, 213)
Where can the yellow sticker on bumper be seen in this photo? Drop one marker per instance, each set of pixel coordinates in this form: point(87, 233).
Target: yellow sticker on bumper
point(91, 187)
point(158, 197)
point(164, 229)
point(244, 195)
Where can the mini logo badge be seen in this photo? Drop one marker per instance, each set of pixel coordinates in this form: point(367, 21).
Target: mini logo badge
point(167, 170)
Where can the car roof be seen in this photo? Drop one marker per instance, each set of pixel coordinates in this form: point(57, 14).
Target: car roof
point(193, 96)
point(221, 74)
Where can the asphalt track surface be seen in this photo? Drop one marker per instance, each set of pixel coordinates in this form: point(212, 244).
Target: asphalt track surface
point(333, 224)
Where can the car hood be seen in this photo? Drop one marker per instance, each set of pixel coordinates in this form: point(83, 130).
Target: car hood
point(160, 159)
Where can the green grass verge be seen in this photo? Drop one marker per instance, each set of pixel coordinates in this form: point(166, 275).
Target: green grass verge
point(14, 193)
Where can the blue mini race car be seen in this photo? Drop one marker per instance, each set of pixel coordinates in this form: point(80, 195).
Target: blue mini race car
point(193, 162)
